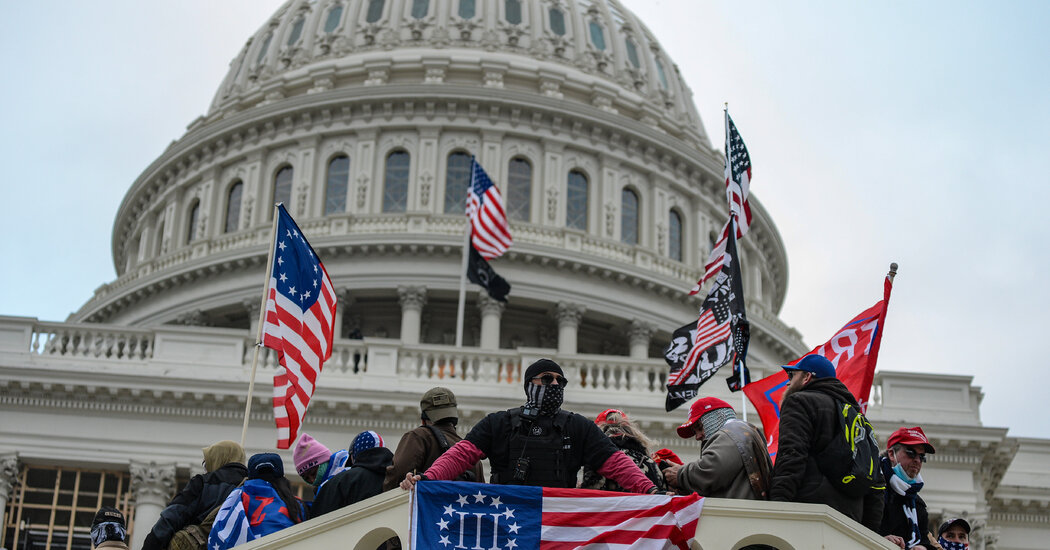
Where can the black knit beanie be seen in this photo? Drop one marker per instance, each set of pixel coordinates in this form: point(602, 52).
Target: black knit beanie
point(539, 367)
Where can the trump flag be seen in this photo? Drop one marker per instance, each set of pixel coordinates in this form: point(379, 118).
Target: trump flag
point(448, 515)
point(854, 351)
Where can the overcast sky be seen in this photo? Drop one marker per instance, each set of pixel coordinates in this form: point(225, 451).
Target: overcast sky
point(914, 132)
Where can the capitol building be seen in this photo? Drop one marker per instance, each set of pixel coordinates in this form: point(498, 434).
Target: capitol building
point(361, 116)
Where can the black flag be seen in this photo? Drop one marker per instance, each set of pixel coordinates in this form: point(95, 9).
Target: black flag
point(719, 337)
point(481, 273)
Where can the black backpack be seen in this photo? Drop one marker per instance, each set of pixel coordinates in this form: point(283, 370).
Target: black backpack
point(851, 459)
point(443, 443)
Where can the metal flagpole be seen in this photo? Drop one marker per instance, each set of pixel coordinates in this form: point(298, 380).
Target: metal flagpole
point(262, 319)
point(732, 227)
point(462, 287)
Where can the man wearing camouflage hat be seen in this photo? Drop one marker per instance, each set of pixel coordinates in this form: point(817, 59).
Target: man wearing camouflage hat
point(419, 448)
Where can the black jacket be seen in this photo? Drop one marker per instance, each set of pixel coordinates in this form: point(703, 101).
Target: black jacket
point(894, 520)
point(190, 507)
point(363, 480)
point(808, 422)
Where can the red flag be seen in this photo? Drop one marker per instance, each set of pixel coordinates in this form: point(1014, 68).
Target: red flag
point(854, 350)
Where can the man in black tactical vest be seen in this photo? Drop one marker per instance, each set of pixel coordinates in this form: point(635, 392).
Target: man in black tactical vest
point(538, 443)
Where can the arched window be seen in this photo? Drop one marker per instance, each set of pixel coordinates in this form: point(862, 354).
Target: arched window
point(629, 216)
point(576, 201)
point(519, 189)
point(194, 220)
point(262, 51)
point(420, 8)
point(336, 184)
point(512, 11)
point(282, 188)
point(395, 182)
point(457, 178)
point(375, 11)
point(334, 16)
point(233, 207)
point(597, 36)
point(557, 21)
point(632, 54)
point(660, 72)
point(297, 30)
point(158, 239)
point(674, 240)
point(466, 9)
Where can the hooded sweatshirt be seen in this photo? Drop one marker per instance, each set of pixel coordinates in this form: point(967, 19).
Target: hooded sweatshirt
point(363, 480)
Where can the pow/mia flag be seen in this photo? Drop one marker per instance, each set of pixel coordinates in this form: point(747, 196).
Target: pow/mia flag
point(481, 273)
point(719, 337)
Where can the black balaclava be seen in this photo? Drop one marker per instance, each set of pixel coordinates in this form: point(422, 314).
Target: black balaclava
point(543, 400)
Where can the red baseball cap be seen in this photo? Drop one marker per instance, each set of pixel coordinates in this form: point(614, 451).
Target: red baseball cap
point(699, 408)
point(910, 436)
point(668, 455)
point(603, 417)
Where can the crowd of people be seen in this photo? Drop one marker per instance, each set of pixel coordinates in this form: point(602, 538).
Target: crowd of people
point(541, 444)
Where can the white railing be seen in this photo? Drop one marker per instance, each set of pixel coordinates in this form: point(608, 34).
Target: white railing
point(91, 341)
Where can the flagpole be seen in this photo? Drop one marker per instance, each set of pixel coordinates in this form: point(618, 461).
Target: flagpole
point(462, 288)
point(262, 319)
point(732, 227)
point(893, 271)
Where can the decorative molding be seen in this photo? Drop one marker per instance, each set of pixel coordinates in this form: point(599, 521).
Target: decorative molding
point(8, 475)
point(412, 297)
point(568, 314)
point(151, 481)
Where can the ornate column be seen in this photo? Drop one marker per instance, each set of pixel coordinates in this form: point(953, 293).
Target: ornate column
point(8, 479)
point(152, 485)
point(638, 334)
point(252, 305)
point(412, 299)
point(343, 301)
point(491, 313)
point(568, 316)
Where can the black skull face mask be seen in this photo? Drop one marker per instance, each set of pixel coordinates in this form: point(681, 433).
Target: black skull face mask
point(547, 399)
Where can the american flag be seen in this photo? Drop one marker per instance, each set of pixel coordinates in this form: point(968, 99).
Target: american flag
point(489, 231)
point(738, 178)
point(721, 334)
point(449, 514)
point(300, 320)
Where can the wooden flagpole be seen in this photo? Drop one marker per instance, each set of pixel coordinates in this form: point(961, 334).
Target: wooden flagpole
point(732, 227)
point(462, 288)
point(262, 319)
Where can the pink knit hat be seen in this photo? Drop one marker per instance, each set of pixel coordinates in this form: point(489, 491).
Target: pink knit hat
point(309, 453)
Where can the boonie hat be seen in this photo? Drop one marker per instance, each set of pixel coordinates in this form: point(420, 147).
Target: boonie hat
point(954, 521)
point(699, 408)
point(439, 404)
point(910, 436)
point(814, 363)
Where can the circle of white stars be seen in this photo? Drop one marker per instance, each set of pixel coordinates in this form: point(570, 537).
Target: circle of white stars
point(303, 295)
point(479, 498)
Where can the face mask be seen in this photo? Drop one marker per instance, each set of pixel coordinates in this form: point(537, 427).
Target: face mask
point(546, 399)
point(900, 473)
point(321, 471)
point(948, 545)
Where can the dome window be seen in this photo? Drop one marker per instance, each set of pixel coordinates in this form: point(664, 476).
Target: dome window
point(466, 9)
point(576, 201)
point(629, 217)
point(194, 221)
point(597, 36)
point(395, 182)
point(663, 76)
point(375, 11)
point(557, 21)
point(457, 179)
point(262, 51)
point(674, 237)
point(334, 16)
point(233, 207)
point(519, 189)
point(420, 8)
point(512, 11)
point(297, 30)
point(632, 54)
point(336, 185)
point(282, 188)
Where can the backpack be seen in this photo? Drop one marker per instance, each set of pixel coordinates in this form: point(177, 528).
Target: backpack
point(194, 537)
point(851, 460)
point(443, 443)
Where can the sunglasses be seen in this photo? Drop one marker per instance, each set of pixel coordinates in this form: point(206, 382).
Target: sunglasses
point(912, 453)
point(791, 373)
point(548, 379)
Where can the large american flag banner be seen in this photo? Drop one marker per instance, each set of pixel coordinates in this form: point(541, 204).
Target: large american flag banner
point(449, 514)
point(738, 178)
point(720, 338)
point(299, 325)
point(854, 350)
point(489, 230)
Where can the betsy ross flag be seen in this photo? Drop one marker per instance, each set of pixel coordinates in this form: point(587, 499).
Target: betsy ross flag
point(720, 337)
point(449, 514)
point(489, 231)
point(299, 325)
point(854, 351)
